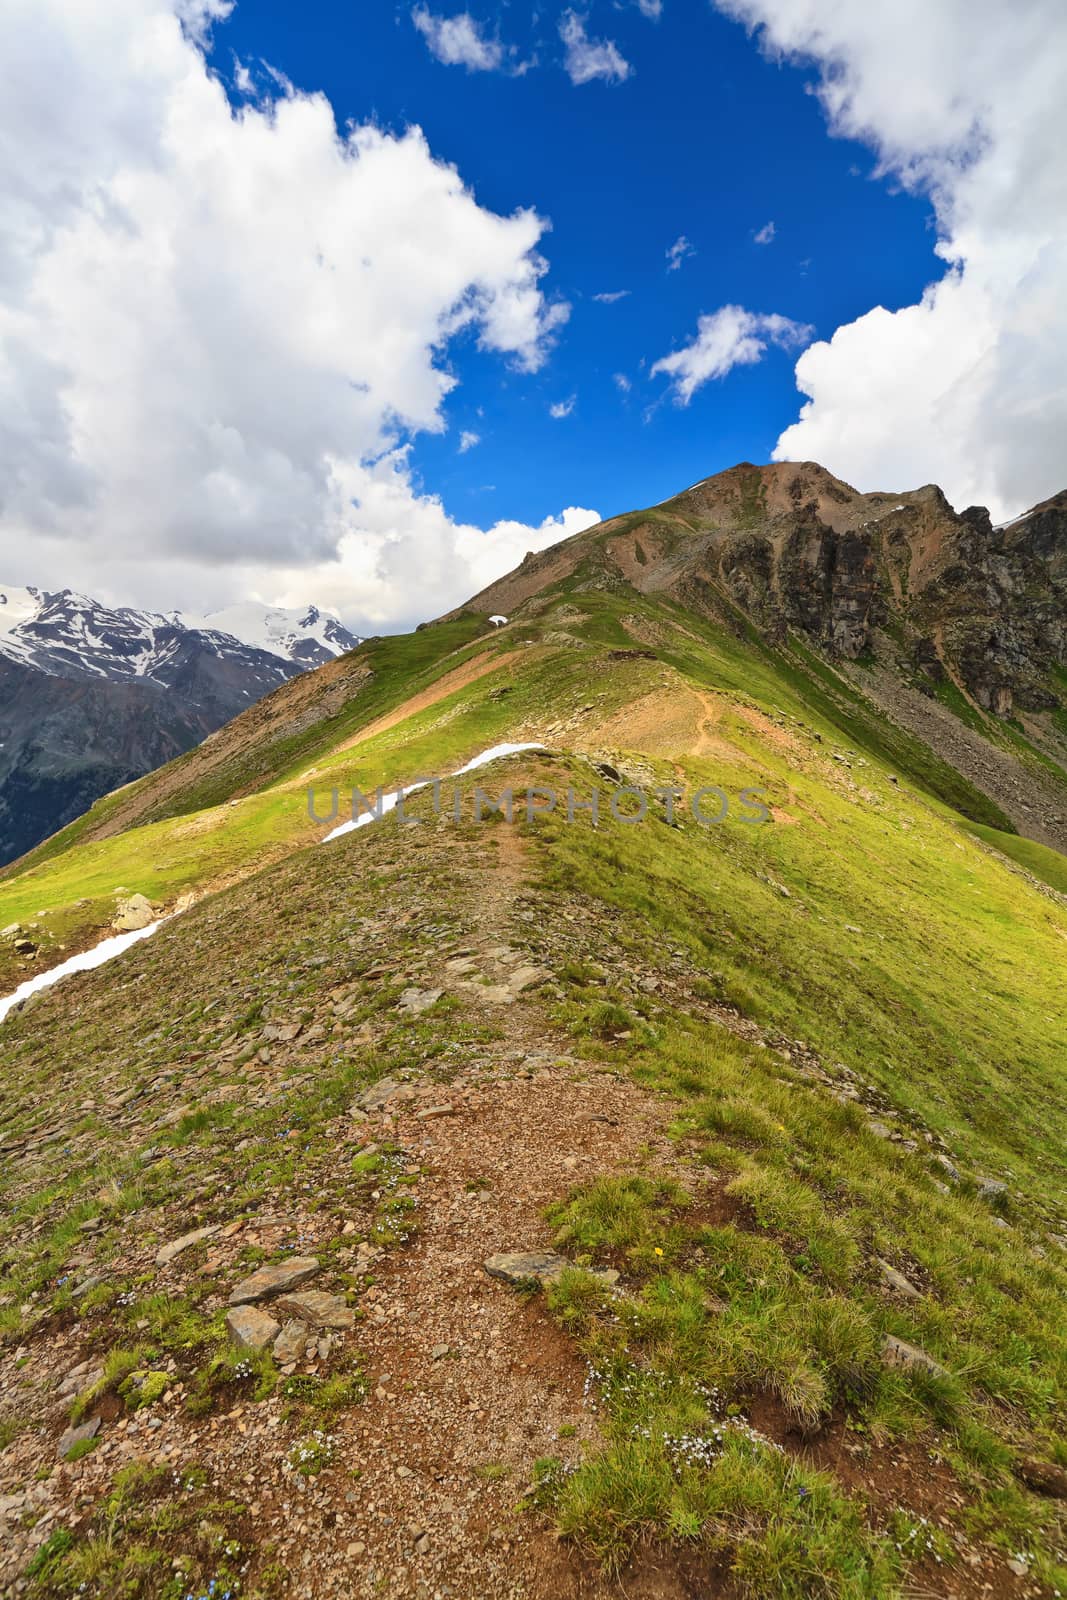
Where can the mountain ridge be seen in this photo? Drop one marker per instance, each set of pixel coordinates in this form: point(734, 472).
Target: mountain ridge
point(93, 696)
point(795, 547)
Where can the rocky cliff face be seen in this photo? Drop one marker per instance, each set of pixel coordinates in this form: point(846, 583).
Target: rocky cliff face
point(793, 549)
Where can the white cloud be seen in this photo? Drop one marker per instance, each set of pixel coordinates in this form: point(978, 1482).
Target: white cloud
point(679, 251)
point(563, 408)
point(467, 440)
point(962, 100)
point(588, 59)
point(197, 16)
point(765, 234)
point(242, 78)
point(399, 533)
point(213, 322)
point(611, 296)
point(729, 337)
point(459, 41)
point(622, 382)
point(652, 9)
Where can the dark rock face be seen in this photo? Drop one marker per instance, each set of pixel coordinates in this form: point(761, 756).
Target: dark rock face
point(796, 550)
point(65, 742)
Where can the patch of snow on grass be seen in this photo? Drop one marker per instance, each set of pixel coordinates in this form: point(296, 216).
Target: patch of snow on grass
point(85, 962)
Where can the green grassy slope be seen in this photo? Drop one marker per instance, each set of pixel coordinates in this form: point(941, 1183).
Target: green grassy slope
point(849, 1017)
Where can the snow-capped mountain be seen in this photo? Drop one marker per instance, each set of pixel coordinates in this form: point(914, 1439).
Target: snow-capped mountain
point(310, 636)
point(66, 634)
point(92, 696)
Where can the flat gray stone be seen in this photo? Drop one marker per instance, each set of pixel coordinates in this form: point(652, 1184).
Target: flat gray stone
point(170, 1251)
point(291, 1343)
point(374, 1098)
point(991, 1188)
point(93, 1281)
point(896, 1280)
point(537, 1266)
point(73, 1436)
point(527, 978)
point(251, 1327)
point(497, 994)
point(275, 1279)
point(413, 1002)
point(319, 1309)
point(898, 1353)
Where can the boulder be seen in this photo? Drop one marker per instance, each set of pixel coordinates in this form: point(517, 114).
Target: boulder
point(131, 913)
point(538, 1266)
point(278, 1278)
point(251, 1327)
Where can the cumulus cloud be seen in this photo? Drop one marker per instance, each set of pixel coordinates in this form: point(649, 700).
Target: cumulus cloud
point(213, 322)
point(586, 59)
point(467, 440)
point(610, 297)
point(729, 337)
point(563, 408)
point(652, 9)
point(765, 234)
point(622, 382)
point(962, 101)
point(678, 252)
point(458, 41)
point(398, 533)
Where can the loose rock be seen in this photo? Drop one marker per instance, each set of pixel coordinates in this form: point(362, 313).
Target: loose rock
point(318, 1309)
point(275, 1279)
point(73, 1436)
point(170, 1251)
point(537, 1266)
point(896, 1280)
point(251, 1327)
point(290, 1344)
point(898, 1353)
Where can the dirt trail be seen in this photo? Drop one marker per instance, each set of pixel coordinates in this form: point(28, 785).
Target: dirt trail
point(471, 1382)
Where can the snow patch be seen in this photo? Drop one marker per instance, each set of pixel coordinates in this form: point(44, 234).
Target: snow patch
point(18, 606)
point(391, 801)
point(104, 951)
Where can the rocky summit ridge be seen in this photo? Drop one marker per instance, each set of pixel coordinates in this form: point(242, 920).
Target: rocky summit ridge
point(790, 547)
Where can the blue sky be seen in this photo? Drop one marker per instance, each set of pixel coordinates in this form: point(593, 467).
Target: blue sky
point(249, 317)
point(706, 139)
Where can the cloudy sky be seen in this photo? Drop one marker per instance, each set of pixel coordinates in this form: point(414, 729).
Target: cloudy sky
point(358, 303)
